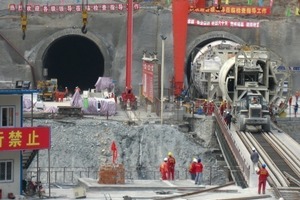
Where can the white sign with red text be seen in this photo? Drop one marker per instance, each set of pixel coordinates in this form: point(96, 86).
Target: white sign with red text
point(224, 23)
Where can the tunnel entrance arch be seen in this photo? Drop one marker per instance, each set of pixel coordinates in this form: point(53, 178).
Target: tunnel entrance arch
point(223, 67)
point(75, 59)
point(199, 44)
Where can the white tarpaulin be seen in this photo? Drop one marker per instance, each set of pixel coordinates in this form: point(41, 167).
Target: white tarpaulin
point(104, 83)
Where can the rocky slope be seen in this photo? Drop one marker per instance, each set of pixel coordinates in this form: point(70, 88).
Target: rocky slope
point(86, 142)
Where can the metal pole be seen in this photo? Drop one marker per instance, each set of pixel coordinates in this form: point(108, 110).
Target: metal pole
point(163, 38)
point(37, 167)
point(49, 181)
point(31, 109)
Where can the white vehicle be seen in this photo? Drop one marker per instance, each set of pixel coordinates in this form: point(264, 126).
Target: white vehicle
point(253, 110)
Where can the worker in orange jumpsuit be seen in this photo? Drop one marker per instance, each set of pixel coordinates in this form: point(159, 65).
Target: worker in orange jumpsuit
point(164, 169)
point(262, 179)
point(171, 166)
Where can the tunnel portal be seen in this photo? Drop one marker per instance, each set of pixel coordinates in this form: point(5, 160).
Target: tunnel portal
point(223, 69)
point(74, 61)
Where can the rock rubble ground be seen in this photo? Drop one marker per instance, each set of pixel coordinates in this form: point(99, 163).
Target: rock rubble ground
point(85, 143)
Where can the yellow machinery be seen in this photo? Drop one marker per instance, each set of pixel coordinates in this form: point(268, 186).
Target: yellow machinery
point(47, 89)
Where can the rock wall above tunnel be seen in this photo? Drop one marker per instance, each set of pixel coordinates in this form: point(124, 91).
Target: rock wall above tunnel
point(109, 29)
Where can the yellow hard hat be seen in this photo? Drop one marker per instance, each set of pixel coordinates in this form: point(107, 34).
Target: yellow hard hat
point(170, 153)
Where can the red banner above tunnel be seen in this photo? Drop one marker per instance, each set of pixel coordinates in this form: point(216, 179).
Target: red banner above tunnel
point(112, 7)
point(240, 10)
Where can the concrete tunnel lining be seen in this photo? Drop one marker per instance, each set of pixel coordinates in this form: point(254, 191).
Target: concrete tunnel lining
point(43, 51)
point(203, 40)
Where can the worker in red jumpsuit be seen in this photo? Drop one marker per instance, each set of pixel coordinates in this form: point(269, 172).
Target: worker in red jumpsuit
point(205, 107)
point(199, 174)
point(192, 169)
point(164, 169)
point(223, 107)
point(211, 107)
point(262, 179)
point(171, 166)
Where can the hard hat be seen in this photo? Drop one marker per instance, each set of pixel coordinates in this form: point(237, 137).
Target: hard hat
point(263, 165)
point(253, 149)
point(165, 159)
point(194, 160)
point(170, 153)
point(227, 112)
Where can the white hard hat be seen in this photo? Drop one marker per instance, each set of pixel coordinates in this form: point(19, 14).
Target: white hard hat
point(195, 160)
point(253, 149)
point(165, 159)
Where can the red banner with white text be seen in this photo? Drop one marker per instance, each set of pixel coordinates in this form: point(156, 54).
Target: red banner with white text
point(22, 138)
point(112, 7)
point(239, 10)
point(147, 80)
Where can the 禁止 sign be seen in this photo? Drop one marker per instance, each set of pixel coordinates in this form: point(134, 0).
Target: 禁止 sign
point(112, 7)
point(22, 138)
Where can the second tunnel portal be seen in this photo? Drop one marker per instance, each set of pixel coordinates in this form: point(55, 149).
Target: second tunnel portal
point(73, 60)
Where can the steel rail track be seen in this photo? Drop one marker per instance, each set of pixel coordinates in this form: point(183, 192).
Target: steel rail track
point(279, 158)
point(275, 182)
point(282, 161)
point(288, 156)
point(276, 175)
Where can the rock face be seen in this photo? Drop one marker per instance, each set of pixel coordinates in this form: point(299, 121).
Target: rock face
point(86, 144)
point(108, 31)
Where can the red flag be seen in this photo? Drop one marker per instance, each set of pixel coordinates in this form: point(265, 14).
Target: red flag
point(114, 151)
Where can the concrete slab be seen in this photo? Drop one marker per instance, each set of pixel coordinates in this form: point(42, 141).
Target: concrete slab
point(156, 189)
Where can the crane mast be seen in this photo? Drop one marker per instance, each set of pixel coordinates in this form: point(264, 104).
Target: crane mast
point(128, 96)
point(129, 43)
point(180, 17)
